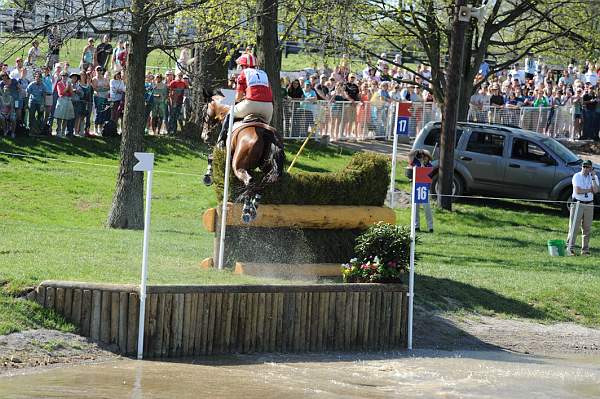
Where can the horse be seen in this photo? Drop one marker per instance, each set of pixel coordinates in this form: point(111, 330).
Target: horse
point(254, 144)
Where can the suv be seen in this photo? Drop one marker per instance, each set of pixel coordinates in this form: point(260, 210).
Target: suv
point(505, 161)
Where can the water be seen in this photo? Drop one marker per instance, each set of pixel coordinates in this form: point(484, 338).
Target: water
point(423, 374)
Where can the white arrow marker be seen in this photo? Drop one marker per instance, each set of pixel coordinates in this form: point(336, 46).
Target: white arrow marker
point(146, 161)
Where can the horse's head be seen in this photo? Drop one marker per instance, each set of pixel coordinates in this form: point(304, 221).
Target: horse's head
point(215, 111)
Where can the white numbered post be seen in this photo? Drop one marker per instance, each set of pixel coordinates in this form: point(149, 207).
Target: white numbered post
point(411, 270)
point(145, 164)
point(228, 100)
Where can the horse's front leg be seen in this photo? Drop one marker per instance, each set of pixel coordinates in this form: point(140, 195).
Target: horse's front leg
point(208, 179)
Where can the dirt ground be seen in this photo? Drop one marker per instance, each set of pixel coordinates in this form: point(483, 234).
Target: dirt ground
point(28, 350)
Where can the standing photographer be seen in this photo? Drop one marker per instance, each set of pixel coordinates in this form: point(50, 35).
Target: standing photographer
point(585, 185)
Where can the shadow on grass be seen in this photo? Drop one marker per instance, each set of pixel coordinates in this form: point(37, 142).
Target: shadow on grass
point(109, 148)
point(514, 206)
point(479, 218)
point(444, 294)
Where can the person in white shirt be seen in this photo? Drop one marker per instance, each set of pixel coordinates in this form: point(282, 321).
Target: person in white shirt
point(585, 185)
point(591, 77)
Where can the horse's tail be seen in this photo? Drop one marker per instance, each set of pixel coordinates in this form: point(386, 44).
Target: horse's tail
point(274, 157)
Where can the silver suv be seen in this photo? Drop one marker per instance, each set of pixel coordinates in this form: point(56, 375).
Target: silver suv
point(505, 161)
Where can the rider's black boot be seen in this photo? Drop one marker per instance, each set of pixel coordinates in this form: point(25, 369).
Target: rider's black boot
point(221, 141)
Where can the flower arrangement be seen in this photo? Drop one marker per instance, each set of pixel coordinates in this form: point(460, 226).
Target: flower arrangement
point(383, 255)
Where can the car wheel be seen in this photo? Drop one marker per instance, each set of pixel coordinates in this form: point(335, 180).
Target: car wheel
point(458, 187)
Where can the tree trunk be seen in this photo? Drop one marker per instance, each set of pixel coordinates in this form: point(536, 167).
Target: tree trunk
point(127, 210)
point(451, 99)
point(269, 54)
point(209, 71)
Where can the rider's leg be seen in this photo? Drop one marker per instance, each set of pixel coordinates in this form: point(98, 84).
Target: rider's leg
point(223, 134)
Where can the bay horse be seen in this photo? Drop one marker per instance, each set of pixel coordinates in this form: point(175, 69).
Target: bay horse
point(254, 144)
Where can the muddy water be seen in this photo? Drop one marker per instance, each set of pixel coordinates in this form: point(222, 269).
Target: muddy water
point(422, 374)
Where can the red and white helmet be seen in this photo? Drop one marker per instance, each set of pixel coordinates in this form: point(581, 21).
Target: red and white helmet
point(246, 60)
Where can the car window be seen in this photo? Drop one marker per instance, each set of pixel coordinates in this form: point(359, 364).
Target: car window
point(486, 143)
point(433, 138)
point(527, 151)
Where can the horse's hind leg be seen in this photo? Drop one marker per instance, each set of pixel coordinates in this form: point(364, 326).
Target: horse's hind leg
point(208, 179)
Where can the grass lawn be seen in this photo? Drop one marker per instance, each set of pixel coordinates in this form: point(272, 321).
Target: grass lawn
point(158, 61)
point(489, 259)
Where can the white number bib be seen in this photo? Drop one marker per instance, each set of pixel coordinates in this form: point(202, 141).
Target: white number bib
point(256, 77)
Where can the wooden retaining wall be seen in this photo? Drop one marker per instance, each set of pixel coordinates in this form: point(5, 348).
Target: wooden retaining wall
point(206, 320)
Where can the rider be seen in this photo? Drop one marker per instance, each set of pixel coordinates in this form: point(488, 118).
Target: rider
point(253, 94)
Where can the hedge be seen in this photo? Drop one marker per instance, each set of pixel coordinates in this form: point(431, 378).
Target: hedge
point(364, 181)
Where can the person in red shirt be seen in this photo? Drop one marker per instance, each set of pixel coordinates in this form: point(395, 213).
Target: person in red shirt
point(253, 94)
point(122, 56)
point(177, 89)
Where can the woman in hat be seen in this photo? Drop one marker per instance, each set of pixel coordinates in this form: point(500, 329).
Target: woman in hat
point(422, 158)
point(77, 100)
point(63, 113)
point(86, 102)
point(89, 55)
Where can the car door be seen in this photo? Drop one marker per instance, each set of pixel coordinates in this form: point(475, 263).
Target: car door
point(483, 158)
point(531, 170)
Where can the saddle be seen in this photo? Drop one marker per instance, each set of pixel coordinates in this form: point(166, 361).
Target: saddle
point(253, 120)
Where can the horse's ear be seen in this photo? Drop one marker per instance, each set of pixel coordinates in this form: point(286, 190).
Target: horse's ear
point(207, 94)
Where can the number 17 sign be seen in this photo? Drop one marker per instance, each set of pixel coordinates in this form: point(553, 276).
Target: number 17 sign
point(421, 184)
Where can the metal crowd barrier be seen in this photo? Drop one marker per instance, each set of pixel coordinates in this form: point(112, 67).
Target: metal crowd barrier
point(552, 121)
point(345, 120)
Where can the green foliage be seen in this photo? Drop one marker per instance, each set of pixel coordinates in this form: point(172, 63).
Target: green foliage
point(18, 314)
point(382, 255)
point(364, 181)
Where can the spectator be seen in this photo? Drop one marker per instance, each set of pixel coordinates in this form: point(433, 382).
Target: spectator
point(576, 102)
point(7, 112)
point(48, 99)
point(585, 185)
point(86, 102)
point(103, 52)
point(17, 71)
point(176, 92)
point(88, 56)
point(589, 113)
point(63, 112)
point(15, 91)
point(540, 99)
point(122, 56)
point(362, 114)
point(77, 99)
point(321, 89)
point(36, 100)
point(337, 99)
point(184, 61)
point(159, 106)
point(148, 98)
point(116, 96)
point(33, 55)
point(353, 95)
point(101, 89)
point(295, 90)
point(116, 63)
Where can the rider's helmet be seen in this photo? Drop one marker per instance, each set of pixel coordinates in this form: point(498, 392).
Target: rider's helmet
point(246, 61)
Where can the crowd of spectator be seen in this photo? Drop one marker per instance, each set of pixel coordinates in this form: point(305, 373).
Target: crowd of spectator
point(49, 97)
point(574, 90)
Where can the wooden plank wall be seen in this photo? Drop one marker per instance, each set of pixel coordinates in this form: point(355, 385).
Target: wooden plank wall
point(205, 320)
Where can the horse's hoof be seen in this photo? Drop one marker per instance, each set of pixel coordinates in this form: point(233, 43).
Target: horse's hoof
point(246, 218)
point(207, 180)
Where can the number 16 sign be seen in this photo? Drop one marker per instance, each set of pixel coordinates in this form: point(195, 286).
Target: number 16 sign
point(422, 184)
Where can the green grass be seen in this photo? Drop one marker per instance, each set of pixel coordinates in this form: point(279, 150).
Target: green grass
point(158, 61)
point(489, 259)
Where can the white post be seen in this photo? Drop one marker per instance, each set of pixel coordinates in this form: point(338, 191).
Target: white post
point(225, 189)
point(411, 274)
point(572, 220)
point(146, 164)
point(394, 157)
